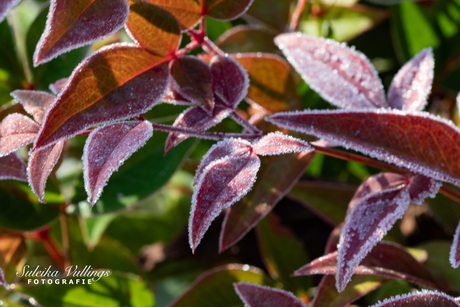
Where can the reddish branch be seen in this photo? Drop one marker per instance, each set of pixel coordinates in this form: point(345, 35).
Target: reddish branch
point(43, 236)
point(295, 19)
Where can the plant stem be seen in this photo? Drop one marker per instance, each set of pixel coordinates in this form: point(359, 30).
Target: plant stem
point(295, 18)
point(243, 122)
point(43, 236)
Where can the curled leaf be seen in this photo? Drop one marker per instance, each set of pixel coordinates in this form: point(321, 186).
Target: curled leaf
point(256, 296)
point(424, 298)
point(412, 84)
point(454, 256)
point(277, 143)
point(341, 75)
point(35, 102)
point(107, 148)
point(72, 24)
point(12, 167)
point(16, 130)
point(41, 164)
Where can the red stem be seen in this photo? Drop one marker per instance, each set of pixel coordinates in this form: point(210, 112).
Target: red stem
point(43, 236)
point(295, 18)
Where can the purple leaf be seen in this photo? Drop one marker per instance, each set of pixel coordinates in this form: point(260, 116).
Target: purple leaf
point(195, 118)
point(58, 86)
point(107, 148)
point(72, 24)
point(417, 141)
point(41, 164)
point(16, 130)
point(424, 298)
point(173, 97)
point(421, 187)
point(454, 256)
point(262, 296)
point(2, 279)
point(277, 143)
point(192, 79)
point(225, 180)
point(12, 167)
point(34, 102)
point(340, 74)
point(230, 80)
point(6, 6)
point(412, 84)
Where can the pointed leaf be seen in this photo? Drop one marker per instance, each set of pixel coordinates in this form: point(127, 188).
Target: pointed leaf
point(229, 80)
point(6, 6)
point(454, 256)
point(424, 298)
point(422, 187)
point(35, 102)
point(257, 296)
point(418, 141)
point(41, 164)
point(222, 183)
point(341, 75)
point(16, 130)
point(195, 118)
point(226, 9)
point(58, 86)
point(185, 72)
point(13, 167)
point(271, 83)
point(2, 279)
point(277, 143)
point(117, 82)
point(154, 28)
point(107, 148)
point(187, 12)
point(412, 84)
point(73, 24)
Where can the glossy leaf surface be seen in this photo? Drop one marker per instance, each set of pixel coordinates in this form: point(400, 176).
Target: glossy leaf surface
point(117, 82)
point(255, 296)
point(34, 102)
point(277, 143)
point(107, 148)
point(72, 24)
point(225, 9)
point(454, 256)
point(424, 298)
point(16, 130)
point(417, 141)
point(12, 167)
point(341, 75)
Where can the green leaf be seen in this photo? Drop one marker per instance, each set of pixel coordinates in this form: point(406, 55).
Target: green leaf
point(116, 290)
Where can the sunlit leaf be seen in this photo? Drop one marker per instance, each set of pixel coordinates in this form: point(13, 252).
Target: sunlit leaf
point(247, 39)
point(16, 130)
point(277, 143)
point(72, 24)
point(187, 12)
point(12, 167)
point(225, 9)
point(13, 250)
point(117, 82)
point(341, 75)
point(454, 256)
point(419, 141)
point(34, 102)
point(424, 298)
point(154, 28)
point(58, 86)
point(255, 296)
point(107, 148)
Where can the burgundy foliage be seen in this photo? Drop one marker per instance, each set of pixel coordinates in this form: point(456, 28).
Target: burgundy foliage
point(424, 298)
point(12, 167)
point(6, 6)
point(455, 249)
point(34, 102)
point(261, 296)
point(277, 143)
point(16, 130)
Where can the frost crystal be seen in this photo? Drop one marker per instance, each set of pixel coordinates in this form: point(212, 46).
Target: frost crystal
point(454, 256)
point(34, 102)
point(277, 143)
point(12, 167)
point(16, 130)
point(424, 298)
point(257, 296)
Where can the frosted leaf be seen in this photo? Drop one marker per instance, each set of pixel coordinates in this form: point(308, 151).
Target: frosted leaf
point(417, 141)
point(192, 79)
point(41, 164)
point(2, 279)
point(72, 24)
point(340, 74)
point(34, 102)
point(107, 148)
point(12, 167)
point(277, 143)
point(365, 225)
point(6, 6)
point(421, 187)
point(16, 130)
point(412, 84)
point(262, 296)
point(458, 101)
point(173, 97)
point(226, 9)
point(424, 298)
point(454, 256)
point(195, 118)
point(58, 86)
point(230, 80)
point(221, 183)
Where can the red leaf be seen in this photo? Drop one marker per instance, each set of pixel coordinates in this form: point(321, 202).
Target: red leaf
point(195, 118)
point(154, 28)
point(72, 24)
point(247, 38)
point(173, 97)
point(277, 143)
point(262, 296)
point(107, 148)
point(229, 80)
point(424, 298)
point(16, 130)
point(226, 9)
point(221, 183)
point(6, 6)
point(2, 279)
point(12, 167)
point(58, 86)
point(35, 102)
point(192, 79)
point(412, 84)
point(117, 82)
point(187, 12)
point(454, 256)
point(422, 187)
point(341, 75)
point(41, 164)
point(420, 142)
